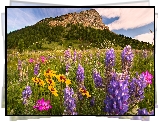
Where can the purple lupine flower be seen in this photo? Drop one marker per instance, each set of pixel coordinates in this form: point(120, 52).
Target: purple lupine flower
point(67, 54)
point(92, 101)
point(69, 101)
point(127, 58)
point(42, 105)
point(110, 57)
point(136, 90)
point(127, 54)
point(80, 74)
point(109, 63)
point(19, 64)
point(26, 94)
point(142, 111)
point(80, 96)
point(145, 112)
point(116, 102)
point(36, 69)
point(79, 55)
point(68, 92)
point(67, 67)
point(97, 78)
point(74, 56)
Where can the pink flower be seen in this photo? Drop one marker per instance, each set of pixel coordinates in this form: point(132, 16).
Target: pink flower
point(147, 77)
point(43, 59)
point(40, 108)
point(42, 105)
point(46, 105)
point(31, 60)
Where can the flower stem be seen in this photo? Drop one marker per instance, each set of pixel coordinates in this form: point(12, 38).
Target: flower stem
point(61, 97)
point(80, 107)
point(50, 112)
point(35, 93)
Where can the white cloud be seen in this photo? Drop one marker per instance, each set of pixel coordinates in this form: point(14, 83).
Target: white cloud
point(129, 18)
point(147, 37)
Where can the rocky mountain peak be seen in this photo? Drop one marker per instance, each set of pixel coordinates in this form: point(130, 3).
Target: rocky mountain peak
point(87, 18)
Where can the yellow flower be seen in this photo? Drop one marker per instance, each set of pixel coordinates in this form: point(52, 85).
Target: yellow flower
point(49, 73)
point(68, 82)
point(50, 82)
point(38, 81)
point(84, 92)
point(61, 78)
point(88, 95)
point(35, 79)
point(53, 90)
point(41, 82)
point(52, 74)
point(46, 74)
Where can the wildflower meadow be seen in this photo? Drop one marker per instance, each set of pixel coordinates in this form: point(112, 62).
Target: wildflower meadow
point(81, 82)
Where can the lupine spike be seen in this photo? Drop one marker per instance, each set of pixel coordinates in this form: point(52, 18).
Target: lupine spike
point(67, 67)
point(19, 65)
point(74, 56)
point(97, 78)
point(127, 58)
point(92, 102)
point(80, 74)
point(110, 58)
point(67, 54)
point(109, 63)
point(116, 102)
point(69, 102)
point(26, 94)
point(142, 112)
point(36, 69)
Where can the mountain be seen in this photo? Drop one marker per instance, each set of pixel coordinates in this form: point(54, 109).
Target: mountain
point(87, 18)
point(83, 28)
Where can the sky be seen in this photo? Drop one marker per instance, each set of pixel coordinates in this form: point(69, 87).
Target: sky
point(132, 22)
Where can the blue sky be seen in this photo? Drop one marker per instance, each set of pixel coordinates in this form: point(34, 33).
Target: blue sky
point(132, 22)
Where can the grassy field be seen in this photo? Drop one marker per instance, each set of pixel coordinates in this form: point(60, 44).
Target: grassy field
point(55, 60)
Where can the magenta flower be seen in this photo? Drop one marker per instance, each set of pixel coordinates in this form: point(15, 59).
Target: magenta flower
point(31, 60)
point(42, 105)
point(147, 77)
point(43, 59)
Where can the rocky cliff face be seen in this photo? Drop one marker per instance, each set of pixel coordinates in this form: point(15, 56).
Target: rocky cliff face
point(87, 18)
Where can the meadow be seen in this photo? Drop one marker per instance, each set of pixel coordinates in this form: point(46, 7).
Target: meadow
point(80, 82)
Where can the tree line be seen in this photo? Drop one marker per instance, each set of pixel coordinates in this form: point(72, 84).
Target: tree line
point(42, 32)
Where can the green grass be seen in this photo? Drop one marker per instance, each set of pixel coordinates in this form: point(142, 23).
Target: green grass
point(15, 88)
